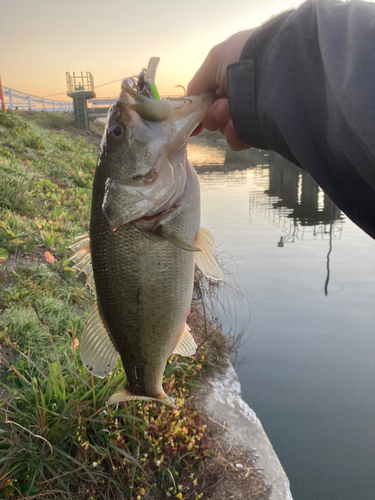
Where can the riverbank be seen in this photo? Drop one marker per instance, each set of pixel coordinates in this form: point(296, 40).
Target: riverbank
point(47, 168)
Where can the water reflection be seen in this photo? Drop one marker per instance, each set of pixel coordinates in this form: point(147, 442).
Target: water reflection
point(216, 157)
point(311, 377)
point(211, 153)
point(311, 371)
point(291, 199)
point(299, 193)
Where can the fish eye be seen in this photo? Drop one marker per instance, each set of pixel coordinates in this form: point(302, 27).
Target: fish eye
point(117, 131)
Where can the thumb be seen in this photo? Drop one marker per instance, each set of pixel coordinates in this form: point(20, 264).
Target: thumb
point(206, 77)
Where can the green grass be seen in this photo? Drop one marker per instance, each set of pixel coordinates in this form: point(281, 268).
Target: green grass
point(49, 120)
point(15, 186)
point(57, 421)
point(58, 439)
point(45, 186)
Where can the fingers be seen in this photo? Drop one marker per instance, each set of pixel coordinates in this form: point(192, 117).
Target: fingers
point(234, 142)
point(205, 78)
point(218, 118)
point(212, 75)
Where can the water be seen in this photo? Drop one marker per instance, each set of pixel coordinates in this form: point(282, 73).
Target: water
point(308, 274)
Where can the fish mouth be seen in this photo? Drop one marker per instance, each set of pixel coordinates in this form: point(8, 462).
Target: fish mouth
point(161, 127)
point(154, 109)
point(147, 107)
point(141, 95)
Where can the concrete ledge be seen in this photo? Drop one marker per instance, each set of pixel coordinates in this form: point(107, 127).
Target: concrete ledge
point(220, 399)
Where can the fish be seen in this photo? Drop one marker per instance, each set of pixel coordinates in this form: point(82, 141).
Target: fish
point(144, 239)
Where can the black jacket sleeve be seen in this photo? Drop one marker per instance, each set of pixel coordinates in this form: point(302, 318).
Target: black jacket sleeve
point(304, 87)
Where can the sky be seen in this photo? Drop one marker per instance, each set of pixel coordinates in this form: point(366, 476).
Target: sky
point(40, 40)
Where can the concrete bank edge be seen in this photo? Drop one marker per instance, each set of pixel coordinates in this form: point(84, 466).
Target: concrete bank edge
point(220, 399)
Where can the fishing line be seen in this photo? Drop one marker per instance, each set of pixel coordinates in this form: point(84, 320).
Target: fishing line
point(96, 86)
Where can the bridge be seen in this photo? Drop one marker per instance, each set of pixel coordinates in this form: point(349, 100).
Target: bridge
point(98, 108)
point(14, 99)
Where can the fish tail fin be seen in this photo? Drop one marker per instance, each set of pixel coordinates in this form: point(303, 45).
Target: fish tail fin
point(125, 395)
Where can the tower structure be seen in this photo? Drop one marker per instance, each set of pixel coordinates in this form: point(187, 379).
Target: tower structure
point(80, 88)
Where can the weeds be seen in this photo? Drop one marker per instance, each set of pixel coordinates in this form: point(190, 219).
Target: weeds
point(217, 298)
point(46, 177)
point(56, 421)
point(58, 439)
point(15, 182)
point(50, 120)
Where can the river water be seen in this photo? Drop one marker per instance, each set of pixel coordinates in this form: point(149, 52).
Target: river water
point(308, 353)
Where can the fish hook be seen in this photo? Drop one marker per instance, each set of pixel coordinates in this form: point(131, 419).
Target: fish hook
point(184, 99)
point(183, 88)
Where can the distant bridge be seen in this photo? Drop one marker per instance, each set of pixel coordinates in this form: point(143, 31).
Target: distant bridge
point(96, 108)
point(14, 99)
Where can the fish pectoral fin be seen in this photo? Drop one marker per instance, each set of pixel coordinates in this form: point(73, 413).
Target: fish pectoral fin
point(82, 258)
point(124, 395)
point(186, 345)
point(175, 240)
point(98, 353)
point(206, 260)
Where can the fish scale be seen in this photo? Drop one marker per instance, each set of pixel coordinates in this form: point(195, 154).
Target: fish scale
point(126, 265)
point(144, 241)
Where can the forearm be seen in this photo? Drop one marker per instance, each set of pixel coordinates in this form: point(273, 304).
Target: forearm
point(304, 87)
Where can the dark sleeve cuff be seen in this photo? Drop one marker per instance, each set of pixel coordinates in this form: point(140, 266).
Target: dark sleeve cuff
point(242, 86)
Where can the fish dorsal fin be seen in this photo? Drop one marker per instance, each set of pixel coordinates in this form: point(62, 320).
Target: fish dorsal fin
point(206, 260)
point(124, 395)
point(82, 258)
point(98, 353)
point(186, 345)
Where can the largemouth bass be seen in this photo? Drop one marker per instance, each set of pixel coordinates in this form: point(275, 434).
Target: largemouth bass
point(144, 239)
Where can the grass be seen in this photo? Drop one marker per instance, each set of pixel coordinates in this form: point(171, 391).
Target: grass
point(58, 439)
point(57, 421)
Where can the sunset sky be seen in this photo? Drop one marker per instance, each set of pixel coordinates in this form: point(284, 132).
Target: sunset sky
point(42, 39)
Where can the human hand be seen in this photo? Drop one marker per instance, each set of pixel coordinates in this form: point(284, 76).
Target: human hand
point(212, 75)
